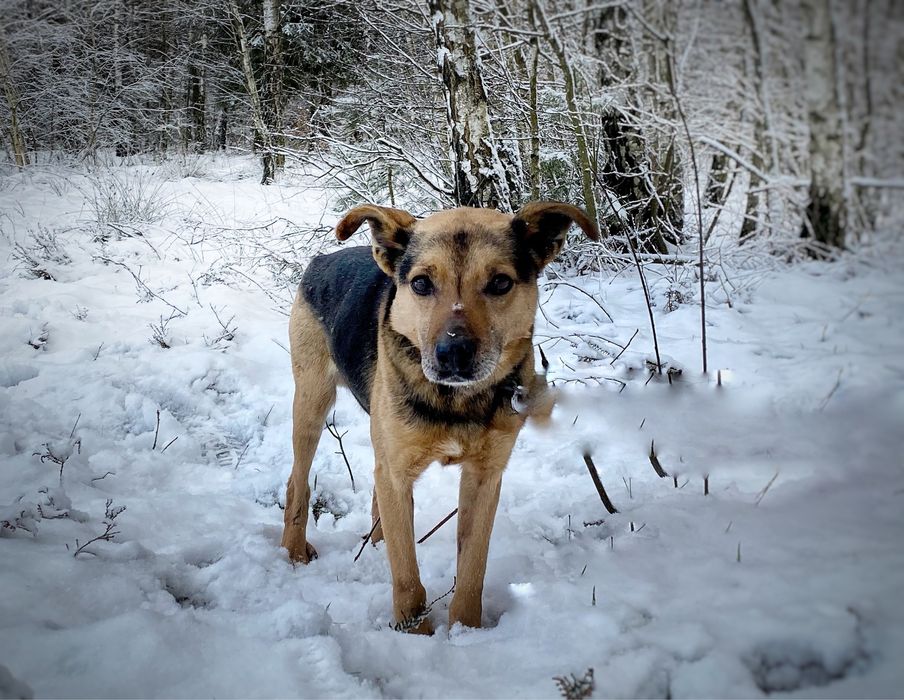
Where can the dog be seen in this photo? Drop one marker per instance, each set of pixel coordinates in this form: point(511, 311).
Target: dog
point(431, 328)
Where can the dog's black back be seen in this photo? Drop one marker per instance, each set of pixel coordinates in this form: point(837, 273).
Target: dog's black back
point(346, 290)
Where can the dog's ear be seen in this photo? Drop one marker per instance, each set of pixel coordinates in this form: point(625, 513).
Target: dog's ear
point(390, 228)
point(541, 227)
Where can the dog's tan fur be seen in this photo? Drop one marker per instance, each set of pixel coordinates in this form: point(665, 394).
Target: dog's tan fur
point(460, 250)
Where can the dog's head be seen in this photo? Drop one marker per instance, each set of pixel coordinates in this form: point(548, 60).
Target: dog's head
point(466, 279)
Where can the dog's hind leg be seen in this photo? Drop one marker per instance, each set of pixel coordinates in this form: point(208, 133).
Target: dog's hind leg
point(315, 391)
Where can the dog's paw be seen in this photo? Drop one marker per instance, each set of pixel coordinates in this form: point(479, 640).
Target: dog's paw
point(417, 624)
point(426, 627)
point(465, 616)
point(302, 554)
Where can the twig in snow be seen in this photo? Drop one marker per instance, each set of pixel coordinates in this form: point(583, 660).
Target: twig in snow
point(366, 538)
point(673, 89)
point(831, 393)
point(194, 286)
point(437, 526)
point(40, 340)
point(227, 331)
point(160, 333)
point(622, 352)
point(242, 455)
point(594, 474)
point(643, 282)
point(140, 284)
point(75, 425)
point(654, 460)
point(110, 531)
point(766, 488)
point(556, 283)
point(574, 688)
point(334, 431)
point(49, 456)
point(156, 431)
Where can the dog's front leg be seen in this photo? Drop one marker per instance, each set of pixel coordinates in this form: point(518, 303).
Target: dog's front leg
point(394, 488)
point(477, 500)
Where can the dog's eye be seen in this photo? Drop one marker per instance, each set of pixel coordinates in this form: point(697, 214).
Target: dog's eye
point(422, 286)
point(499, 285)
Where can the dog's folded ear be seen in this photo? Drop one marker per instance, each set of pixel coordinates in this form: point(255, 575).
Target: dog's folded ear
point(390, 228)
point(541, 227)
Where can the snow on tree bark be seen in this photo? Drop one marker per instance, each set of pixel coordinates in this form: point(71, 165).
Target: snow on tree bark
point(272, 78)
point(574, 113)
point(825, 211)
point(261, 122)
point(17, 140)
point(478, 174)
point(764, 140)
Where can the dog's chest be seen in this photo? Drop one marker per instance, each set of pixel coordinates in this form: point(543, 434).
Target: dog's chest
point(450, 451)
point(475, 446)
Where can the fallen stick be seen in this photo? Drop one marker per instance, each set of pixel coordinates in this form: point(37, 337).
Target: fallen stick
point(594, 474)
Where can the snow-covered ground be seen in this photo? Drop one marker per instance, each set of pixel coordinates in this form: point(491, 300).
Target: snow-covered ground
point(785, 579)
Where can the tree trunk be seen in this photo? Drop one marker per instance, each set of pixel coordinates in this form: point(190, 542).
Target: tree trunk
point(648, 193)
point(478, 175)
point(222, 127)
point(534, 118)
point(577, 123)
point(17, 140)
point(763, 138)
point(197, 96)
point(825, 212)
point(272, 78)
point(262, 133)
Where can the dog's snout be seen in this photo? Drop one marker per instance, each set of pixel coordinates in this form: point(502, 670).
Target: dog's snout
point(455, 354)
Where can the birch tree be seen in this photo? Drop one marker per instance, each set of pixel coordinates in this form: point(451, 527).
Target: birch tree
point(761, 117)
point(477, 173)
point(825, 211)
point(261, 126)
point(587, 170)
point(17, 141)
point(271, 99)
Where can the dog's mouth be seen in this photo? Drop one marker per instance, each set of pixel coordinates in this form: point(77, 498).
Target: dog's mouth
point(459, 374)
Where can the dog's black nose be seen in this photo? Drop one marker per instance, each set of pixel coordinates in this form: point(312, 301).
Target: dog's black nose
point(455, 354)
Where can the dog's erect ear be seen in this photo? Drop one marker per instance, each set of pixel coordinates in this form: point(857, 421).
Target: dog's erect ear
point(391, 230)
point(541, 227)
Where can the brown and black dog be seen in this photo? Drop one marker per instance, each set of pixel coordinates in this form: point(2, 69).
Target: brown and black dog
point(431, 329)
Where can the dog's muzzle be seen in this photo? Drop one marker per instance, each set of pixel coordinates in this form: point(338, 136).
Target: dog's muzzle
point(458, 358)
point(455, 356)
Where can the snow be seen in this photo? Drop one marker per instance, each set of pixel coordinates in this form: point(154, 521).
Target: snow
point(785, 579)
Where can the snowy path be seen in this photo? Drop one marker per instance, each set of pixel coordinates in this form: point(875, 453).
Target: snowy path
point(792, 589)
